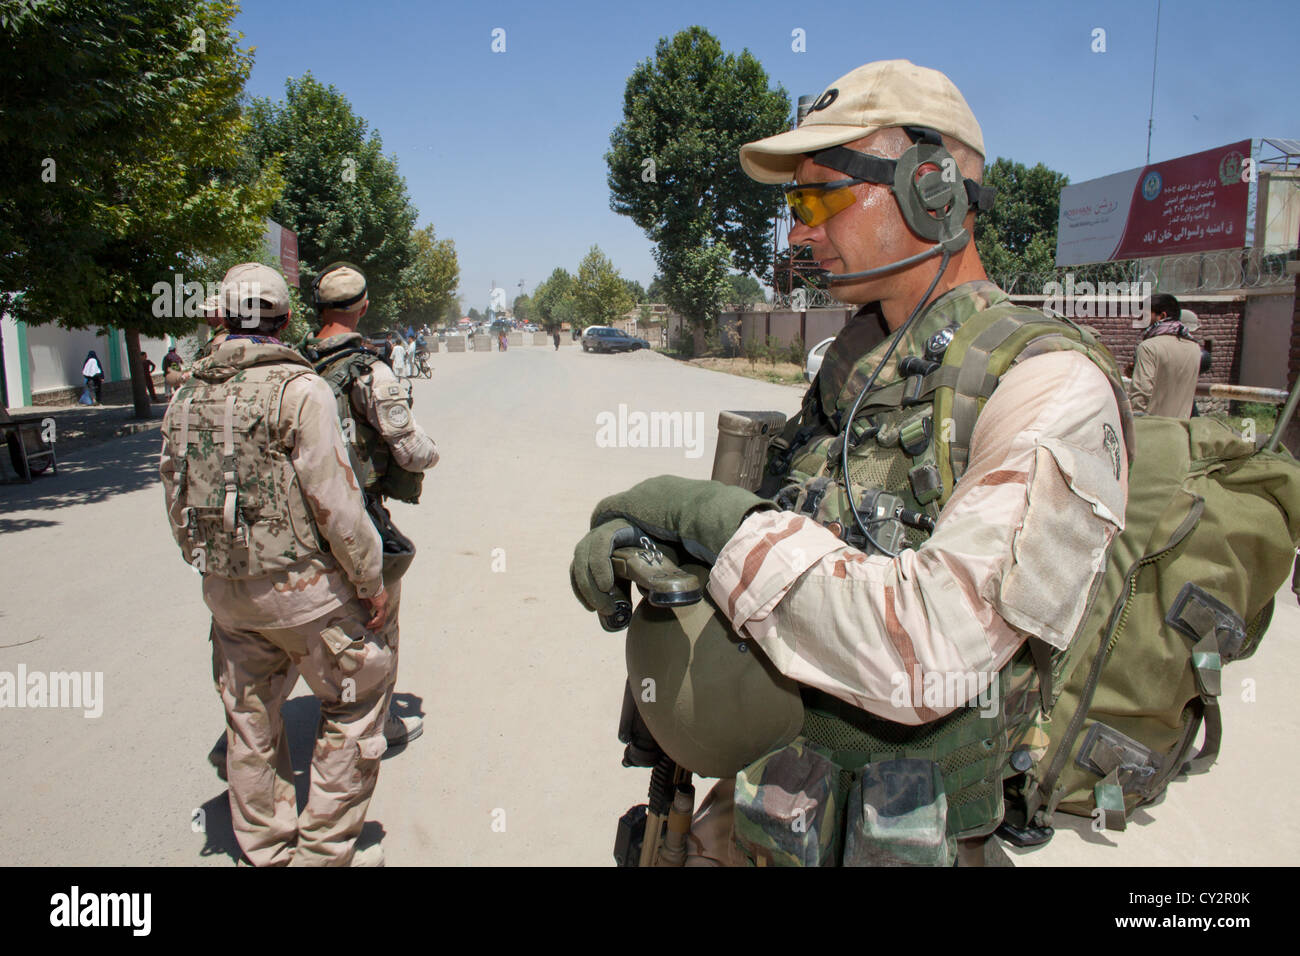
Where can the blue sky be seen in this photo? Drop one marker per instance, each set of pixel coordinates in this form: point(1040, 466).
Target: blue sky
point(504, 152)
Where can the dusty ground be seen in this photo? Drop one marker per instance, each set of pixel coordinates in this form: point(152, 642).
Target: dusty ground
point(79, 426)
point(519, 686)
point(782, 373)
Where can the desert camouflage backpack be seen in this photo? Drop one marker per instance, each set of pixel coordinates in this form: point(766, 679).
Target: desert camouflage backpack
point(237, 506)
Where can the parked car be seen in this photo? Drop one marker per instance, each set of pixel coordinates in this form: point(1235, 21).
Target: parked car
point(602, 338)
point(815, 356)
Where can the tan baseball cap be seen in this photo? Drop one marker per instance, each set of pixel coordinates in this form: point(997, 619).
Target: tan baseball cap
point(251, 290)
point(875, 96)
point(342, 287)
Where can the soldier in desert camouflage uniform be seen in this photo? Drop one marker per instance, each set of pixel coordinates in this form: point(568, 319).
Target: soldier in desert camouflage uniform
point(989, 561)
point(390, 450)
point(263, 502)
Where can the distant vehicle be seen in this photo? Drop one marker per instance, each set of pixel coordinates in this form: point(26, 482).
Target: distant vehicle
point(815, 356)
point(602, 338)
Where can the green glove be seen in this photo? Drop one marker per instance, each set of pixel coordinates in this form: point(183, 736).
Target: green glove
point(591, 575)
point(701, 515)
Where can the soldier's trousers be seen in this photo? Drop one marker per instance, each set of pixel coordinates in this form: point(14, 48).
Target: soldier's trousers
point(351, 671)
point(712, 840)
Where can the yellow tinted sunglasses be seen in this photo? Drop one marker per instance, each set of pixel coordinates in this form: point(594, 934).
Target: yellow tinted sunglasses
point(814, 203)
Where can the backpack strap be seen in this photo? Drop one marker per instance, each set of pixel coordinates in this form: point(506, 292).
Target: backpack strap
point(983, 348)
point(229, 506)
point(182, 470)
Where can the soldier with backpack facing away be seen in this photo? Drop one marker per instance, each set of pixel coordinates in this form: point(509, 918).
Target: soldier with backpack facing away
point(264, 505)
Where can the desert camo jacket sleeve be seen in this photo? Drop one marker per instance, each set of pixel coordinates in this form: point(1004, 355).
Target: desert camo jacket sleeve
point(310, 427)
point(387, 405)
point(1014, 553)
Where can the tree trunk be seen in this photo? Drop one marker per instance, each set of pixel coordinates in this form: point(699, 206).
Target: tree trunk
point(139, 393)
point(698, 340)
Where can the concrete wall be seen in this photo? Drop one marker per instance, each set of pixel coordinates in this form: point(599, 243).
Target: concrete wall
point(455, 343)
point(44, 362)
point(1265, 337)
point(785, 326)
point(482, 343)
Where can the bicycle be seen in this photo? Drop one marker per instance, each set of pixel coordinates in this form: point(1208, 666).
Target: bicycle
point(422, 367)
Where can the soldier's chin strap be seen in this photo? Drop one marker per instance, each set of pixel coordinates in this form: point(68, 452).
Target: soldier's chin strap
point(848, 421)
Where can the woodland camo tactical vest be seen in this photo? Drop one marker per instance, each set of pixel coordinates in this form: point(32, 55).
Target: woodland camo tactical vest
point(970, 338)
point(237, 501)
point(342, 365)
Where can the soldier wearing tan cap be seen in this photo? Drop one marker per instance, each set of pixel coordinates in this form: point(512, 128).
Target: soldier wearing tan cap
point(868, 566)
point(264, 505)
point(390, 451)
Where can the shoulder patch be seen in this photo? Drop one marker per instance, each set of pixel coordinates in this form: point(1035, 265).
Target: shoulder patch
point(1111, 443)
point(399, 416)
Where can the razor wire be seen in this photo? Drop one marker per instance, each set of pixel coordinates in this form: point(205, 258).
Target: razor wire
point(1224, 270)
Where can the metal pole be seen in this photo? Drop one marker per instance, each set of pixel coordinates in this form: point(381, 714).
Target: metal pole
point(1151, 116)
point(1283, 418)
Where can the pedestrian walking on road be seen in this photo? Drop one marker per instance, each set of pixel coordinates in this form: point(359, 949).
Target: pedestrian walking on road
point(555, 337)
point(1166, 363)
point(149, 369)
point(94, 376)
point(173, 375)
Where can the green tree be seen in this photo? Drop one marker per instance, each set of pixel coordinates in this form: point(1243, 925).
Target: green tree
point(429, 282)
point(1018, 235)
point(343, 197)
point(523, 308)
point(744, 291)
point(474, 315)
point(636, 290)
point(453, 313)
point(658, 292)
point(699, 286)
point(672, 162)
point(554, 300)
point(121, 154)
point(600, 295)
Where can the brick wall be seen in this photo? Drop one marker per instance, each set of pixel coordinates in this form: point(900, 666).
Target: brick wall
point(1220, 321)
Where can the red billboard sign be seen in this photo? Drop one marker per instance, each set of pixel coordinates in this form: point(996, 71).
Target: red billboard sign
point(1194, 203)
point(283, 246)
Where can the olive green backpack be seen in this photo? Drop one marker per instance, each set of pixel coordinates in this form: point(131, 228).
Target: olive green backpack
point(1211, 529)
point(1210, 535)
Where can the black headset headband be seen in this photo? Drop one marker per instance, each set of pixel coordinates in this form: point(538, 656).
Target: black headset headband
point(338, 303)
point(877, 169)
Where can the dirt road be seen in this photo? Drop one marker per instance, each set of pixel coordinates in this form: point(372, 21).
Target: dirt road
point(520, 688)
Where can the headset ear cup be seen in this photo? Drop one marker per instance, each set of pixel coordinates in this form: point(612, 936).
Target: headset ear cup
point(933, 204)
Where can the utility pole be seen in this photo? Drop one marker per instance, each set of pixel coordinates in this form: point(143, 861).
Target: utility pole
point(1151, 116)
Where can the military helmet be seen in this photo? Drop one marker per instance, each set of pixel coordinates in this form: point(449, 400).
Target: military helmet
point(712, 699)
